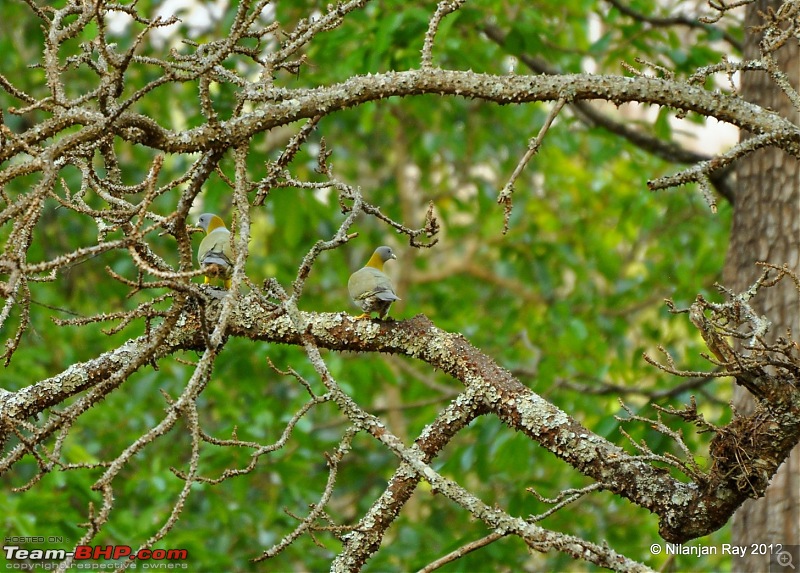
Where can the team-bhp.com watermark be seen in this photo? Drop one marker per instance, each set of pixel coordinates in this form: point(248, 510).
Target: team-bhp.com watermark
point(779, 558)
point(96, 557)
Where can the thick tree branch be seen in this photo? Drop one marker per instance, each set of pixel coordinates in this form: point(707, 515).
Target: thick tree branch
point(687, 510)
point(282, 107)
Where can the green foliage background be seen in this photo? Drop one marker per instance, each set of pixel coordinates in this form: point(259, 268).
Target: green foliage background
point(571, 295)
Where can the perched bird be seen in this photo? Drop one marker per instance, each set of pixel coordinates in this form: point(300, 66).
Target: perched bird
point(370, 288)
point(214, 253)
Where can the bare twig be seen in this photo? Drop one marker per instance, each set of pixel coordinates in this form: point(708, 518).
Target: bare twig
point(461, 551)
point(443, 8)
point(504, 198)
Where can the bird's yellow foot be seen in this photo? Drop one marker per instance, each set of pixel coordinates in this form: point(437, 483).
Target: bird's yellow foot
point(361, 316)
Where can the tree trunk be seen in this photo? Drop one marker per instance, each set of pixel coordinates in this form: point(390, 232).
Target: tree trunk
point(766, 227)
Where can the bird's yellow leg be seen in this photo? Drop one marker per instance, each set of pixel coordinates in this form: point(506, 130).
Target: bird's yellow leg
point(206, 280)
point(227, 284)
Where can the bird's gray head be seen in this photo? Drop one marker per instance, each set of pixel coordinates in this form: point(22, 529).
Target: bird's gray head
point(385, 253)
point(209, 221)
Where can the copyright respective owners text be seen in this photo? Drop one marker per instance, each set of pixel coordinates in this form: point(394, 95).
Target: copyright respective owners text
point(781, 557)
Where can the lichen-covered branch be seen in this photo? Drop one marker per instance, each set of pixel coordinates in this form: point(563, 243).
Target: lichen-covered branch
point(288, 106)
point(686, 510)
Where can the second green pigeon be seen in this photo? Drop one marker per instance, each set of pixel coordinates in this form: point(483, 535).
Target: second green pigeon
point(370, 288)
point(214, 254)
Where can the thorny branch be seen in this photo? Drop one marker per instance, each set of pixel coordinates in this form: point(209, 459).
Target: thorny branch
point(93, 130)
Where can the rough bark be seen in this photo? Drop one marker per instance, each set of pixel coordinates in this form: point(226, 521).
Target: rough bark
point(766, 227)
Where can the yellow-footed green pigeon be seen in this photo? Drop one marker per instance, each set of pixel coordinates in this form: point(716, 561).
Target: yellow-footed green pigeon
point(370, 288)
point(214, 253)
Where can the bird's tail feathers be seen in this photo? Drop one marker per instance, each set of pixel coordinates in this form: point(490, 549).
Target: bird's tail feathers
point(216, 258)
